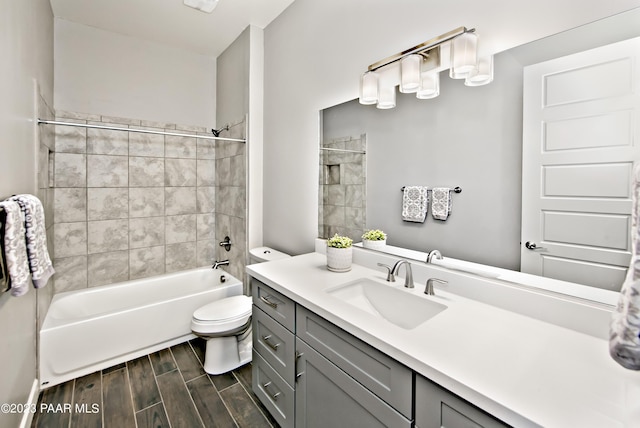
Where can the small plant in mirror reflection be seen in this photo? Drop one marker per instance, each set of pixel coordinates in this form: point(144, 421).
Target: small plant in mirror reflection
point(374, 235)
point(339, 241)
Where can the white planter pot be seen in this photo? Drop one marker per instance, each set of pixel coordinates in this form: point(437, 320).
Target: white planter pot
point(339, 259)
point(374, 245)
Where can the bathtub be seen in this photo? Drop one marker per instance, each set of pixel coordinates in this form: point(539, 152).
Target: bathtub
point(92, 329)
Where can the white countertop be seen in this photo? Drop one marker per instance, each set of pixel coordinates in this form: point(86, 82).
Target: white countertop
point(523, 371)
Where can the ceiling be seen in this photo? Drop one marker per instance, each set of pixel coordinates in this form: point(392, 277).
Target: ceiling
point(170, 22)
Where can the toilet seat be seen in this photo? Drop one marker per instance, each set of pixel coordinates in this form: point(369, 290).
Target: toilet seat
point(226, 316)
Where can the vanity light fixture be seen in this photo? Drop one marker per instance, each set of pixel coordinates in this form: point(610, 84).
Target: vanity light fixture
point(429, 86)
point(464, 55)
point(416, 70)
point(482, 74)
point(369, 88)
point(386, 97)
point(410, 73)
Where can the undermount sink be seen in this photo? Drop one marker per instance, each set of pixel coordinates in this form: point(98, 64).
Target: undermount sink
point(395, 305)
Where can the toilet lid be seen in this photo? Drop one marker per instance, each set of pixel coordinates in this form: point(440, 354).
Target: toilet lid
point(225, 309)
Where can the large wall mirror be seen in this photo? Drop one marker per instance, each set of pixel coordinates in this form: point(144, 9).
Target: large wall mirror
point(469, 137)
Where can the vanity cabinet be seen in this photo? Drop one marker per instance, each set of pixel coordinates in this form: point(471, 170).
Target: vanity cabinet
point(436, 407)
point(310, 373)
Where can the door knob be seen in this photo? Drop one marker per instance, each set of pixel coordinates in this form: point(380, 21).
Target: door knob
point(532, 246)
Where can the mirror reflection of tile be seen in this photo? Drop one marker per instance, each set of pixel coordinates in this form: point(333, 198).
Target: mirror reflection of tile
point(342, 187)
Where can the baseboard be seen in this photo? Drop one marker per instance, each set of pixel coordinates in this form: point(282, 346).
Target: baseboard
point(27, 417)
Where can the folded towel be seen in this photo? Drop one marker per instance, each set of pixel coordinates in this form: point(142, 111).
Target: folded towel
point(40, 264)
point(415, 203)
point(624, 332)
point(441, 206)
point(15, 248)
point(4, 274)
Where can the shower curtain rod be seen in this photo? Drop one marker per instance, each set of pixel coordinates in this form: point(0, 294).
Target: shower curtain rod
point(141, 131)
point(331, 149)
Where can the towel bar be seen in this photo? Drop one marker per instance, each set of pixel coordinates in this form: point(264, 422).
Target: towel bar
point(456, 189)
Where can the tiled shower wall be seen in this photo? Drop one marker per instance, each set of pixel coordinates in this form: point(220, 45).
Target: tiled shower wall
point(342, 194)
point(130, 205)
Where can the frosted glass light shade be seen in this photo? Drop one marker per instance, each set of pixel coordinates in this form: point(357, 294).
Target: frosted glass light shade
point(410, 73)
point(369, 88)
point(482, 74)
point(464, 55)
point(429, 86)
point(386, 97)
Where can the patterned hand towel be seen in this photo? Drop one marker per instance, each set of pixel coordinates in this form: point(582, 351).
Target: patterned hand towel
point(40, 264)
point(441, 206)
point(15, 248)
point(624, 332)
point(415, 203)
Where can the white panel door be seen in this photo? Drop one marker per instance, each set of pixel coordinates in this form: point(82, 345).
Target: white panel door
point(580, 141)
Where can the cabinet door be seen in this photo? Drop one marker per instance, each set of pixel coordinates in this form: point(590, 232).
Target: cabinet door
point(436, 407)
point(328, 397)
point(379, 373)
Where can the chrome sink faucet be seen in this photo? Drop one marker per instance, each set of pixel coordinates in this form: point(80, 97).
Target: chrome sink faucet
point(408, 278)
point(434, 254)
point(429, 288)
point(217, 264)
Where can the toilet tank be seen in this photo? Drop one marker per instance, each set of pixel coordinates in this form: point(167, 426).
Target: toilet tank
point(265, 254)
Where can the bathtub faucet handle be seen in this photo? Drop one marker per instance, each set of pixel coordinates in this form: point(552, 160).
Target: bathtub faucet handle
point(226, 243)
point(217, 264)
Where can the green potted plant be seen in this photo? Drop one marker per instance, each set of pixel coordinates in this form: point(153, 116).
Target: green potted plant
point(339, 253)
point(374, 239)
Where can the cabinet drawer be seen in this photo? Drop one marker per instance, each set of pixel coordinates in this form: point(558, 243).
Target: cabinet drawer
point(437, 407)
point(273, 392)
point(275, 344)
point(328, 397)
point(274, 304)
point(378, 372)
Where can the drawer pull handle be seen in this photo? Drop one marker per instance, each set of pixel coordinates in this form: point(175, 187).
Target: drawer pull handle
point(265, 386)
point(295, 369)
point(273, 346)
point(269, 302)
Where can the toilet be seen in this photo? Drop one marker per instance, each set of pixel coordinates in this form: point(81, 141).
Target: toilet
point(226, 324)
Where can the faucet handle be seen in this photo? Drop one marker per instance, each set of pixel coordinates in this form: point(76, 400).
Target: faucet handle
point(390, 276)
point(429, 287)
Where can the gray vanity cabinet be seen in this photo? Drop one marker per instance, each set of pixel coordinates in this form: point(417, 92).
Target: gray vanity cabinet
point(308, 372)
point(436, 407)
point(327, 397)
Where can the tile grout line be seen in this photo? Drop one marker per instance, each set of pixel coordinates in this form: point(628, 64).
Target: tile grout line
point(155, 379)
point(188, 392)
point(249, 394)
point(133, 406)
point(216, 389)
point(73, 393)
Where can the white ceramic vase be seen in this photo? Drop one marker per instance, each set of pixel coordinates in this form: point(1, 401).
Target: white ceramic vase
point(339, 259)
point(374, 245)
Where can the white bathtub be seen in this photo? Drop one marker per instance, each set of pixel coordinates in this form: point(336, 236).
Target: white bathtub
point(92, 329)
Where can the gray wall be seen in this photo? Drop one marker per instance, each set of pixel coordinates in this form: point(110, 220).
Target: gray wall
point(315, 52)
point(468, 137)
point(26, 43)
point(106, 73)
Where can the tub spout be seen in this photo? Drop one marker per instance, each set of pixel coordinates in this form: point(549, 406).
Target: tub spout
point(217, 264)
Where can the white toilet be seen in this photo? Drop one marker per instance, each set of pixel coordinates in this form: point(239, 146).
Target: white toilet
point(226, 325)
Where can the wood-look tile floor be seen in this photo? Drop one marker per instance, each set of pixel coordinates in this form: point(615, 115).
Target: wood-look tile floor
point(168, 388)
